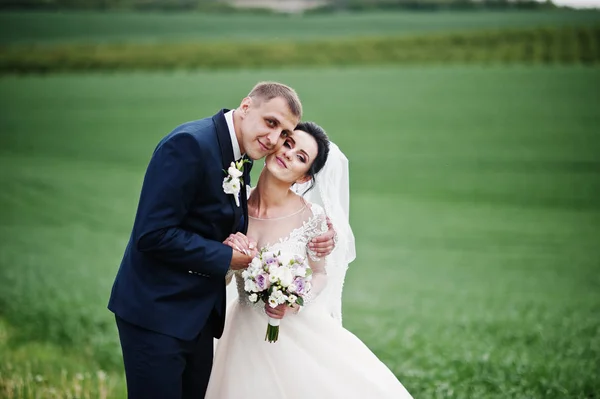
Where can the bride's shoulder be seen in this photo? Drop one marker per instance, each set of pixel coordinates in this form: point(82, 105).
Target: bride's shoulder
point(316, 209)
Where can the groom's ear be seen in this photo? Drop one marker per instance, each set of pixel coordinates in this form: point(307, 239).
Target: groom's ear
point(245, 106)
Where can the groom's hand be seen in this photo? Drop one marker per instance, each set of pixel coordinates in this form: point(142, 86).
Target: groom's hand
point(239, 260)
point(324, 244)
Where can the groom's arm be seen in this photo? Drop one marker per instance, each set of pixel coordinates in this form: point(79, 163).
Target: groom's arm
point(173, 179)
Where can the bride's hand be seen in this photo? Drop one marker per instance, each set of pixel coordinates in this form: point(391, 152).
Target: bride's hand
point(276, 312)
point(280, 311)
point(241, 243)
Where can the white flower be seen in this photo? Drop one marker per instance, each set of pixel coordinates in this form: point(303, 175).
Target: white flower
point(292, 287)
point(234, 171)
point(255, 272)
point(273, 302)
point(286, 259)
point(245, 274)
point(273, 267)
point(232, 182)
point(250, 286)
point(273, 277)
point(229, 187)
point(279, 297)
point(232, 187)
point(285, 276)
point(292, 299)
point(256, 263)
point(300, 271)
point(253, 298)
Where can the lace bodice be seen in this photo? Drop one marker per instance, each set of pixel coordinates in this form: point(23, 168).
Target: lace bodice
point(289, 236)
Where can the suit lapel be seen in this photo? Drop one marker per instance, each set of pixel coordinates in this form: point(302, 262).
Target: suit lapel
point(227, 157)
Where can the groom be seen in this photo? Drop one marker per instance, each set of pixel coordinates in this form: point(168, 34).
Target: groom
point(169, 293)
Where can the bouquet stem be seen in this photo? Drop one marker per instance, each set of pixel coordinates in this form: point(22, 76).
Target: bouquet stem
point(272, 330)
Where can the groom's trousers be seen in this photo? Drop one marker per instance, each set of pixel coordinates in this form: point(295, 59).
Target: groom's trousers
point(163, 367)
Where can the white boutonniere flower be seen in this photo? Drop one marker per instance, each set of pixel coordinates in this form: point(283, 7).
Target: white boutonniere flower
point(232, 183)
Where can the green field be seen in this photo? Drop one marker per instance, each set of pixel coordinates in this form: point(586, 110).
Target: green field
point(127, 27)
point(474, 204)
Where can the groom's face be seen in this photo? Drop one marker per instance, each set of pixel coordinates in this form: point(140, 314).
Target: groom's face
point(265, 125)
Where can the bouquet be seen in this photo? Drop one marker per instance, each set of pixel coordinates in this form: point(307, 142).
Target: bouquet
point(277, 279)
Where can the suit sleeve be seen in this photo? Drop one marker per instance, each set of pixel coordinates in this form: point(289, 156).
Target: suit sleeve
point(173, 179)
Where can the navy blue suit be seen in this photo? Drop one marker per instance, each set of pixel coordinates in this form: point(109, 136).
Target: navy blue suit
point(169, 293)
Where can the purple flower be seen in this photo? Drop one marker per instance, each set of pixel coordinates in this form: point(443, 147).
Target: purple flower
point(262, 281)
point(300, 285)
point(270, 260)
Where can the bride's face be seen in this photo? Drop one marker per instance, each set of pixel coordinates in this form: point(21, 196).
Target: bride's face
point(292, 161)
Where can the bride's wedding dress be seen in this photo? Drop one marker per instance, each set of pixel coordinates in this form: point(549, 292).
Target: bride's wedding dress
point(314, 357)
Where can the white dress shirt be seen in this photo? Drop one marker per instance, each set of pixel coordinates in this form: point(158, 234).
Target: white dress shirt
point(237, 154)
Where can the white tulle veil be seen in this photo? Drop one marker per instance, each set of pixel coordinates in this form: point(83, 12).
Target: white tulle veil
point(332, 192)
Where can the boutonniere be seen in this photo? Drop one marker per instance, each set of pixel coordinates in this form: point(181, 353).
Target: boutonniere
point(232, 183)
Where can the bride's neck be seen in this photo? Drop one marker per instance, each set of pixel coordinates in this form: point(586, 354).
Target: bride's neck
point(270, 195)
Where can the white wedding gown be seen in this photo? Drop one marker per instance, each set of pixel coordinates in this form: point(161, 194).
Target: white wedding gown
point(314, 357)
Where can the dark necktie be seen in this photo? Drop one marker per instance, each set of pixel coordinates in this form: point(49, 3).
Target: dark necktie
point(244, 196)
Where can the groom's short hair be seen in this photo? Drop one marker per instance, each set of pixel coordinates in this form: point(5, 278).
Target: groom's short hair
point(266, 91)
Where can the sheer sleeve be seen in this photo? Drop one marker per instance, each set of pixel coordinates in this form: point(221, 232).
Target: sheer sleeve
point(319, 279)
point(317, 265)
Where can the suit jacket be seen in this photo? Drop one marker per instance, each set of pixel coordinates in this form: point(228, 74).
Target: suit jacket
point(172, 276)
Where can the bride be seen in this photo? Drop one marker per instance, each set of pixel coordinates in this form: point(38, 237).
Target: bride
point(314, 357)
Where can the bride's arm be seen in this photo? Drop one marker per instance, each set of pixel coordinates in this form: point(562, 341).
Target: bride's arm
point(319, 279)
point(316, 263)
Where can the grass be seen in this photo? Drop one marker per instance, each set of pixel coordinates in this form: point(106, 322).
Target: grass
point(574, 45)
point(44, 370)
point(53, 27)
point(474, 203)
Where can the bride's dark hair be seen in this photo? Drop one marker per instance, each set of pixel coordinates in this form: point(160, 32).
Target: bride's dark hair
point(320, 136)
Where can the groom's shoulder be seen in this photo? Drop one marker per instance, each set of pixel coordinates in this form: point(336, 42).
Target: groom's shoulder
point(196, 127)
point(200, 130)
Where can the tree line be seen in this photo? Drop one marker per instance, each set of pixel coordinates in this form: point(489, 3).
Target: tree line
point(225, 6)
